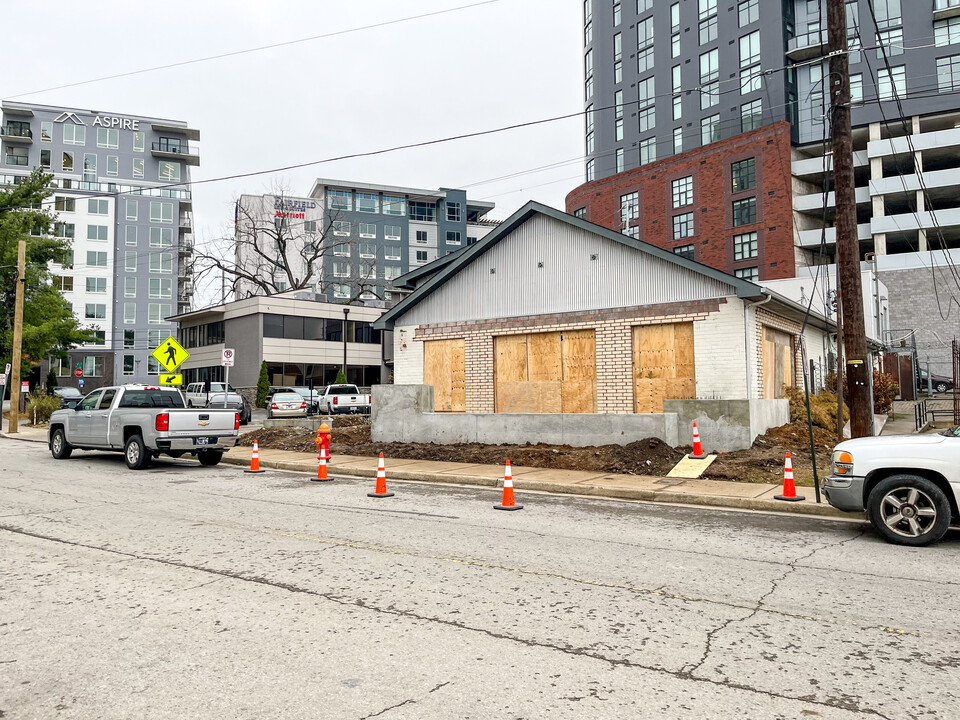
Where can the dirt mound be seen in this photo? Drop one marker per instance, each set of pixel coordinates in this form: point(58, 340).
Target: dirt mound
point(761, 463)
point(644, 457)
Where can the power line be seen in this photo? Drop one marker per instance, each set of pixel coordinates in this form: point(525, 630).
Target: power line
point(246, 51)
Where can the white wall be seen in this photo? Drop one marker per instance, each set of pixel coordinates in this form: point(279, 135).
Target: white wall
point(719, 353)
point(407, 356)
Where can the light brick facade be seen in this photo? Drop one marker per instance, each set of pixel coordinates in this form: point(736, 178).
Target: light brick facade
point(614, 347)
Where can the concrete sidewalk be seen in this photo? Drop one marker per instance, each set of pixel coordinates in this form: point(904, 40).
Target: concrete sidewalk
point(713, 493)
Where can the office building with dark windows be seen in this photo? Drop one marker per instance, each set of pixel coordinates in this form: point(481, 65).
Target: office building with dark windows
point(707, 133)
point(352, 239)
point(122, 196)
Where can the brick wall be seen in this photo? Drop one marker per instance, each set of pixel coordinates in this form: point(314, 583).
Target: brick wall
point(614, 348)
point(713, 199)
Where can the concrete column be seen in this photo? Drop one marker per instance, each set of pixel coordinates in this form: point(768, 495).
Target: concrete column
point(921, 203)
point(880, 243)
point(874, 131)
point(922, 240)
point(915, 123)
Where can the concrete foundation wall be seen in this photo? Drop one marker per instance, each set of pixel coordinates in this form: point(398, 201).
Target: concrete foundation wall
point(404, 413)
point(726, 425)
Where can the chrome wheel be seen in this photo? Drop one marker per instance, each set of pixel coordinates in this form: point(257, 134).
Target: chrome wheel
point(133, 454)
point(57, 443)
point(908, 512)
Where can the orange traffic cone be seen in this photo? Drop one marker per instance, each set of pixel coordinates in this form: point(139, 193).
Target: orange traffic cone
point(322, 469)
point(698, 453)
point(789, 490)
point(255, 460)
point(508, 503)
point(381, 491)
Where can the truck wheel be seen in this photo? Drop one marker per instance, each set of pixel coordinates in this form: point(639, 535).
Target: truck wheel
point(209, 457)
point(59, 447)
point(909, 510)
point(135, 453)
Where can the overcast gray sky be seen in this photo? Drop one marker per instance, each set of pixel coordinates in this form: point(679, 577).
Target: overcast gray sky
point(483, 67)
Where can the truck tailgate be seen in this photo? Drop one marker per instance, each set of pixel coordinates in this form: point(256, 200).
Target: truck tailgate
point(202, 422)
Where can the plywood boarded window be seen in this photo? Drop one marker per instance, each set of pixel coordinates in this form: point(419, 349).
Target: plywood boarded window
point(444, 367)
point(546, 372)
point(663, 365)
point(778, 363)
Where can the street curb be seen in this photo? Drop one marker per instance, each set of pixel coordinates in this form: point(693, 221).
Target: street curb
point(663, 496)
point(8, 436)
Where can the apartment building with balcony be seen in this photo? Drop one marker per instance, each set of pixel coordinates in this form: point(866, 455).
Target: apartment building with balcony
point(122, 197)
point(369, 235)
point(676, 85)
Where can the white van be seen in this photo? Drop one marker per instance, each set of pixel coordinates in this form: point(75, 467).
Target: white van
point(198, 393)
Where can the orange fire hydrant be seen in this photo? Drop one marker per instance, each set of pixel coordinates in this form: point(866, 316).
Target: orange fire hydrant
point(323, 450)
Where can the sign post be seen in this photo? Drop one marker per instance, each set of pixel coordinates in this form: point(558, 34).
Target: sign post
point(227, 360)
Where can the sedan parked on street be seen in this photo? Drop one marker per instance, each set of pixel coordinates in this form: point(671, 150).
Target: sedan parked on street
point(232, 401)
point(69, 397)
point(285, 405)
point(939, 383)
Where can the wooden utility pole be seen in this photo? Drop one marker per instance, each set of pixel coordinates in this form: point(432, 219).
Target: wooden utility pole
point(858, 367)
point(17, 339)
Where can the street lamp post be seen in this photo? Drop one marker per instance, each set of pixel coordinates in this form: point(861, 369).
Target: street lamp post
point(346, 312)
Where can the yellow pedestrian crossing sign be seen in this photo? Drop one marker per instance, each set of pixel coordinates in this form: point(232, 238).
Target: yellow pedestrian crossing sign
point(166, 379)
point(170, 354)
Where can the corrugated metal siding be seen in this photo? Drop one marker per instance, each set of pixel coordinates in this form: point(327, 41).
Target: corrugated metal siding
point(569, 280)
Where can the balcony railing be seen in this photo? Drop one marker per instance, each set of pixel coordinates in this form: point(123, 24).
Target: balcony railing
point(186, 220)
point(174, 149)
point(186, 245)
point(10, 132)
point(808, 45)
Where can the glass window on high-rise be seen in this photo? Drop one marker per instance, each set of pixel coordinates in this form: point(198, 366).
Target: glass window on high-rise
point(619, 161)
point(682, 191)
point(748, 12)
point(743, 175)
point(710, 129)
point(946, 32)
point(646, 104)
point(645, 45)
point(888, 13)
point(892, 83)
point(677, 140)
point(745, 246)
point(744, 212)
point(648, 150)
point(616, 14)
point(629, 209)
point(682, 226)
point(889, 43)
point(751, 115)
point(948, 73)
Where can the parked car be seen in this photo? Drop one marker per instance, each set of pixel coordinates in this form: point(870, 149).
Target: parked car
point(286, 404)
point(143, 422)
point(197, 393)
point(909, 485)
point(231, 401)
point(311, 396)
point(274, 389)
point(344, 399)
point(69, 396)
point(941, 383)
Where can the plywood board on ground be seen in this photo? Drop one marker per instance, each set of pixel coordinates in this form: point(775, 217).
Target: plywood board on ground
point(690, 468)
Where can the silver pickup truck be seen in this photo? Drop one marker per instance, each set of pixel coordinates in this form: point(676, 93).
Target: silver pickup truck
point(143, 422)
point(344, 399)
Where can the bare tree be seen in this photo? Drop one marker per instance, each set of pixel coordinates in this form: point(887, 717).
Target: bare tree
point(284, 243)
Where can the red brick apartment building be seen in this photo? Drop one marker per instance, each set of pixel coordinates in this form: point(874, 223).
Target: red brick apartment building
point(728, 204)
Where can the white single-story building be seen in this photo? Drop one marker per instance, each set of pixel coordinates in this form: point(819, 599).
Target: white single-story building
point(552, 316)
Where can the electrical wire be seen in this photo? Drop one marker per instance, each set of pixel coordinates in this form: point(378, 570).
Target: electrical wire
point(259, 48)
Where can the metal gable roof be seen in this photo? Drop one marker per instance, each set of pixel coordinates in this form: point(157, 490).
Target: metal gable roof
point(461, 259)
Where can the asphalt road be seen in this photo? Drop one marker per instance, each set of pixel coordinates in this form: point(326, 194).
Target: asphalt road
point(190, 592)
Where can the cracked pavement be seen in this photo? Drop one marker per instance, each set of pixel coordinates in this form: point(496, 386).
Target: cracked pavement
point(131, 595)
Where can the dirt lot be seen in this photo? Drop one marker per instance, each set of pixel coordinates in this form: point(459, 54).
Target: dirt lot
point(761, 463)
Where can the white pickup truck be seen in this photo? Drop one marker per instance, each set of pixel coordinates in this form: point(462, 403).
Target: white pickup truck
point(909, 485)
point(344, 399)
point(143, 422)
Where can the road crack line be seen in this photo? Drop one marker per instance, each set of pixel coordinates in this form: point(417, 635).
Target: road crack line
point(357, 603)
